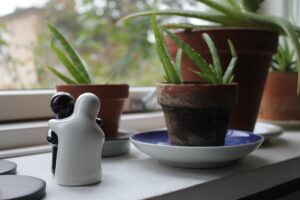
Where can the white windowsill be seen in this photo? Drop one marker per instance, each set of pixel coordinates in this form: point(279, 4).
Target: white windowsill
point(137, 176)
point(30, 137)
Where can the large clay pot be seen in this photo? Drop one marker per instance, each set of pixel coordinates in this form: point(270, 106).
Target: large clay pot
point(254, 48)
point(197, 114)
point(112, 98)
point(280, 101)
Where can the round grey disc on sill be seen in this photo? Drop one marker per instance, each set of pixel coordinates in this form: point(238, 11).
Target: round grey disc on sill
point(7, 167)
point(117, 146)
point(18, 187)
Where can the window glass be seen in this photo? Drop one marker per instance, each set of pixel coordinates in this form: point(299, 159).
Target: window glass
point(115, 54)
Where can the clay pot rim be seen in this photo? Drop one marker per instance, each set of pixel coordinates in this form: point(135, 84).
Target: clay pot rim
point(285, 72)
point(108, 91)
point(196, 84)
point(93, 85)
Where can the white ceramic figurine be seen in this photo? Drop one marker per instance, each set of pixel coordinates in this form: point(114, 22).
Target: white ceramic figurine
point(80, 142)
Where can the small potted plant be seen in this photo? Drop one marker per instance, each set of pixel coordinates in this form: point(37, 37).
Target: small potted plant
point(255, 37)
point(279, 102)
point(112, 96)
point(196, 114)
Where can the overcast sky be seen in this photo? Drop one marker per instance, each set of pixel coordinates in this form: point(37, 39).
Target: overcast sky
point(9, 6)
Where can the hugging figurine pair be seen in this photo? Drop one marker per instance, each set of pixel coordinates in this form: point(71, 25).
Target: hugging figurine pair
point(77, 139)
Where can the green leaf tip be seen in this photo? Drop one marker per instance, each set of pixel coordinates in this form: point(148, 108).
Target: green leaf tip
point(72, 61)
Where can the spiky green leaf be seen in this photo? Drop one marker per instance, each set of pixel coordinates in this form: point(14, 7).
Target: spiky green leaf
point(72, 70)
point(251, 5)
point(178, 62)
point(215, 56)
point(170, 72)
point(74, 56)
point(60, 75)
point(228, 76)
point(190, 52)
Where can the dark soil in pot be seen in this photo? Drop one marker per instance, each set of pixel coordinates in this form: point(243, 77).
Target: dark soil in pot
point(254, 48)
point(112, 98)
point(197, 114)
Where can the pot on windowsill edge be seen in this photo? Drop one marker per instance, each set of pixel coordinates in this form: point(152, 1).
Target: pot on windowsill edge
point(280, 101)
point(112, 98)
point(197, 114)
point(255, 49)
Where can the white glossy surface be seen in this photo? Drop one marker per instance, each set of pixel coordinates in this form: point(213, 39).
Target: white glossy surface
point(268, 131)
point(137, 176)
point(80, 142)
point(196, 157)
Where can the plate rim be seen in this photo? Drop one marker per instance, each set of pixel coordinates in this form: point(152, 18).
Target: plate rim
point(260, 141)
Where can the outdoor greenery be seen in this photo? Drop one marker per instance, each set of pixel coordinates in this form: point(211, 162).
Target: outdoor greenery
point(212, 73)
point(285, 59)
point(236, 13)
point(71, 60)
point(119, 54)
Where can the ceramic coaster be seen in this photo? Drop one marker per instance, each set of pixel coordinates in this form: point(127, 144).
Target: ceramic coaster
point(21, 187)
point(117, 146)
point(7, 167)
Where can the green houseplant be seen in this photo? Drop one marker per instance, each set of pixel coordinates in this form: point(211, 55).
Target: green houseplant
point(279, 102)
point(196, 114)
point(255, 37)
point(112, 96)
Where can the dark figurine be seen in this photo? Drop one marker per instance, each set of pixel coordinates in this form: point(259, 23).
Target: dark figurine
point(62, 105)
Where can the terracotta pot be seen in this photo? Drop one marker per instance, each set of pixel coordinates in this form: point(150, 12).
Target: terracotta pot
point(254, 48)
point(280, 100)
point(197, 114)
point(112, 98)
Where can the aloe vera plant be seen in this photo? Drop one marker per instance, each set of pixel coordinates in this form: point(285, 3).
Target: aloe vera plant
point(284, 59)
point(212, 73)
point(71, 60)
point(236, 13)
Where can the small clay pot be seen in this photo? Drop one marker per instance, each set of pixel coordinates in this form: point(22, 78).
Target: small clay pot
point(197, 114)
point(280, 101)
point(255, 49)
point(112, 98)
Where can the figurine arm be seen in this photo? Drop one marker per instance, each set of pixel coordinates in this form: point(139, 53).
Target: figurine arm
point(53, 124)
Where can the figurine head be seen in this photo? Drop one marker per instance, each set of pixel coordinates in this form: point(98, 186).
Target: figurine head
point(87, 104)
point(62, 104)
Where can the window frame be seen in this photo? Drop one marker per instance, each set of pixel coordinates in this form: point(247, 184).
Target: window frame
point(25, 105)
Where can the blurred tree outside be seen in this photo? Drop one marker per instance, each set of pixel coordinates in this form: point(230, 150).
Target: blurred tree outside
point(115, 54)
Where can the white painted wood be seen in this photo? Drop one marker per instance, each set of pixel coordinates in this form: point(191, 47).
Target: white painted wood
point(137, 176)
point(16, 105)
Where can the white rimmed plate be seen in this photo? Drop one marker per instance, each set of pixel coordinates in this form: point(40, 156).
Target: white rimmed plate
point(268, 131)
point(156, 144)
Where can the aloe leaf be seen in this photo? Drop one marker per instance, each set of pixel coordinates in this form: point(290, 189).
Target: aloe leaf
point(219, 7)
point(231, 79)
point(215, 55)
point(227, 78)
point(234, 4)
point(73, 71)
point(204, 76)
point(251, 5)
point(191, 53)
point(60, 75)
point(217, 18)
point(178, 62)
point(76, 59)
point(171, 74)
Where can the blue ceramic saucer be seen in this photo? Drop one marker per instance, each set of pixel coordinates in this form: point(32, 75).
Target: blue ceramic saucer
point(156, 144)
